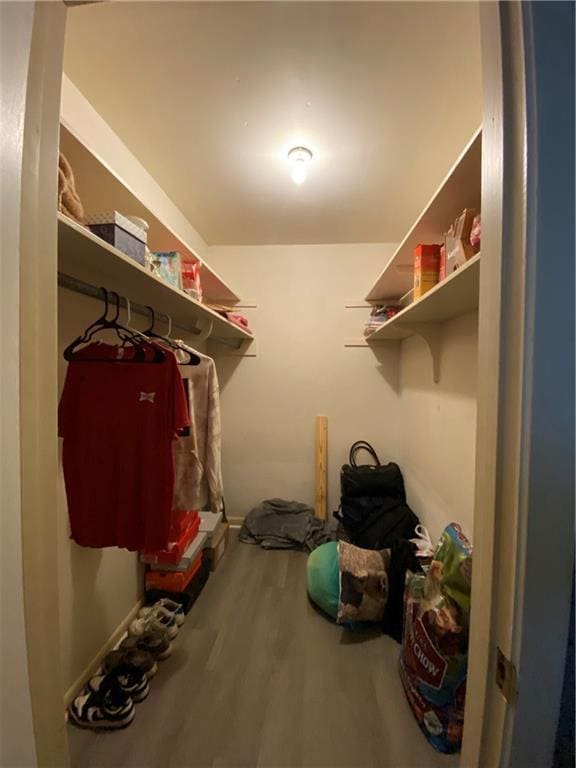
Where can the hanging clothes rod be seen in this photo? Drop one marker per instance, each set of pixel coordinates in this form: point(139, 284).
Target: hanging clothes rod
point(87, 289)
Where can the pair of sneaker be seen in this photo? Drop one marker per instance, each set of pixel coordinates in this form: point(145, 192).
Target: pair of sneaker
point(164, 616)
point(109, 699)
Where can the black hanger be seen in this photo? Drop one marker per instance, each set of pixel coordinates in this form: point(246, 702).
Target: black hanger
point(192, 358)
point(144, 352)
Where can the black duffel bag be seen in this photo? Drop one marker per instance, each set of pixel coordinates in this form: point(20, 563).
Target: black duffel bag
point(373, 510)
point(370, 479)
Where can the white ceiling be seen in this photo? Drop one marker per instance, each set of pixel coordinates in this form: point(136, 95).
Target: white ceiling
point(210, 96)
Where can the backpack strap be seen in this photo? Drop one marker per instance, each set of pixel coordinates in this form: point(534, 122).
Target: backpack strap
point(360, 445)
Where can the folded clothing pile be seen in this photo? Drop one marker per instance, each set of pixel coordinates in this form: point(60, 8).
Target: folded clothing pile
point(231, 315)
point(280, 524)
point(379, 316)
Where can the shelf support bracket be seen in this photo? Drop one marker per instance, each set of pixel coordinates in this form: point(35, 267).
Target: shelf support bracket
point(432, 335)
point(233, 347)
point(362, 341)
point(204, 331)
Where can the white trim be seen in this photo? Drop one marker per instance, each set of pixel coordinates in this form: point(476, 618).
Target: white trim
point(90, 670)
point(17, 743)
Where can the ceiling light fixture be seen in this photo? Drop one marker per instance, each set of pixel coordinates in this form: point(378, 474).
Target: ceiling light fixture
point(299, 157)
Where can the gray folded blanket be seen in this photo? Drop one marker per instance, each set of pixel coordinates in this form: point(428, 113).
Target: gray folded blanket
point(280, 524)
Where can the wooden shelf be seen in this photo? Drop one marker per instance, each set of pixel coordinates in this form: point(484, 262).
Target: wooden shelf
point(100, 189)
point(460, 189)
point(454, 296)
point(86, 257)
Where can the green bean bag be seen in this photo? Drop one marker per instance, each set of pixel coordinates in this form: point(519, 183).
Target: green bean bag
point(323, 577)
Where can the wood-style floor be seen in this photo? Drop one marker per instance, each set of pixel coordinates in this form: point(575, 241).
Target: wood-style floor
point(259, 679)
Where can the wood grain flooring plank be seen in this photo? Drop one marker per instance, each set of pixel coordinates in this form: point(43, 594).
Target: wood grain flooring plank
point(260, 679)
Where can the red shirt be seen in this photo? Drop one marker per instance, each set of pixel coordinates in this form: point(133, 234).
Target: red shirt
point(118, 421)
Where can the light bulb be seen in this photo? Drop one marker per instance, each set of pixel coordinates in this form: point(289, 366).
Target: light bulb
point(299, 172)
point(299, 157)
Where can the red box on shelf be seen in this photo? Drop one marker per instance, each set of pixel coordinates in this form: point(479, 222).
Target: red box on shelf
point(182, 520)
point(173, 581)
point(173, 554)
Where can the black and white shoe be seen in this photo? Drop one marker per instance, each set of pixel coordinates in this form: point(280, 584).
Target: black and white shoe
point(111, 709)
point(133, 682)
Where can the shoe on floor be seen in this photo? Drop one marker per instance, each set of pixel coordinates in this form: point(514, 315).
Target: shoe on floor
point(134, 658)
point(155, 622)
point(132, 681)
point(171, 606)
point(109, 709)
point(156, 643)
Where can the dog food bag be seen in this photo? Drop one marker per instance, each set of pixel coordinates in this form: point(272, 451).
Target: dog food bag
point(434, 656)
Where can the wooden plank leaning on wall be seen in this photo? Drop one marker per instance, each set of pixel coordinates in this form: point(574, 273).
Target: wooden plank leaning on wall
point(321, 466)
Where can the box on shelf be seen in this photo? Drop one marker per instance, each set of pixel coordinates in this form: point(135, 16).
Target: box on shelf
point(189, 595)
point(119, 231)
point(168, 267)
point(182, 520)
point(426, 268)
point(188, 557)
point(209, 522)
point(173, 581)
point(457, 246)
point(191, 283)
point(174, 552)
point(217, 546)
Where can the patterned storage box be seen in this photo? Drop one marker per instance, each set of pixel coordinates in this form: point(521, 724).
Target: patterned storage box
point(120, 232)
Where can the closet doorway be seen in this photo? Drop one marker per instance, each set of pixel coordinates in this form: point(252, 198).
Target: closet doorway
point(503, 130)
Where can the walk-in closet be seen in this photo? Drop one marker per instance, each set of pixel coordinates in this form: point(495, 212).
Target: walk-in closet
point(288, 363)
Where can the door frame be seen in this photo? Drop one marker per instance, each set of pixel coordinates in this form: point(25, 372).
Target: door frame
point(515, 401)
point(32, 369)
point(523, 564)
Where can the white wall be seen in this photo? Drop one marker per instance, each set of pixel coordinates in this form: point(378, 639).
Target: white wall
point(303, 369)
point(437, 445)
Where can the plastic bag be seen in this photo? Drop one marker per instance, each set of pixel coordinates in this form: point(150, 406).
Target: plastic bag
point(434, 657)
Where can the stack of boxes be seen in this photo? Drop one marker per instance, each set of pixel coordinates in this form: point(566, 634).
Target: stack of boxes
point(177, 571)
point(197, 542)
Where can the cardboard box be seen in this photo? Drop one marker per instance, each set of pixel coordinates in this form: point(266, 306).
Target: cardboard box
point(173, 581)
point(457, 246)
point(189, 595)
point(176, 549)
point(426, 268)
point(195, 547)
point(218, 545)
point(209, 522)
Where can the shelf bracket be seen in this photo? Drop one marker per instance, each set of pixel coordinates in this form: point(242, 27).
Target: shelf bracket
point(233, 347)
point(362, 341)
point(204, 330)
point(432, 335)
